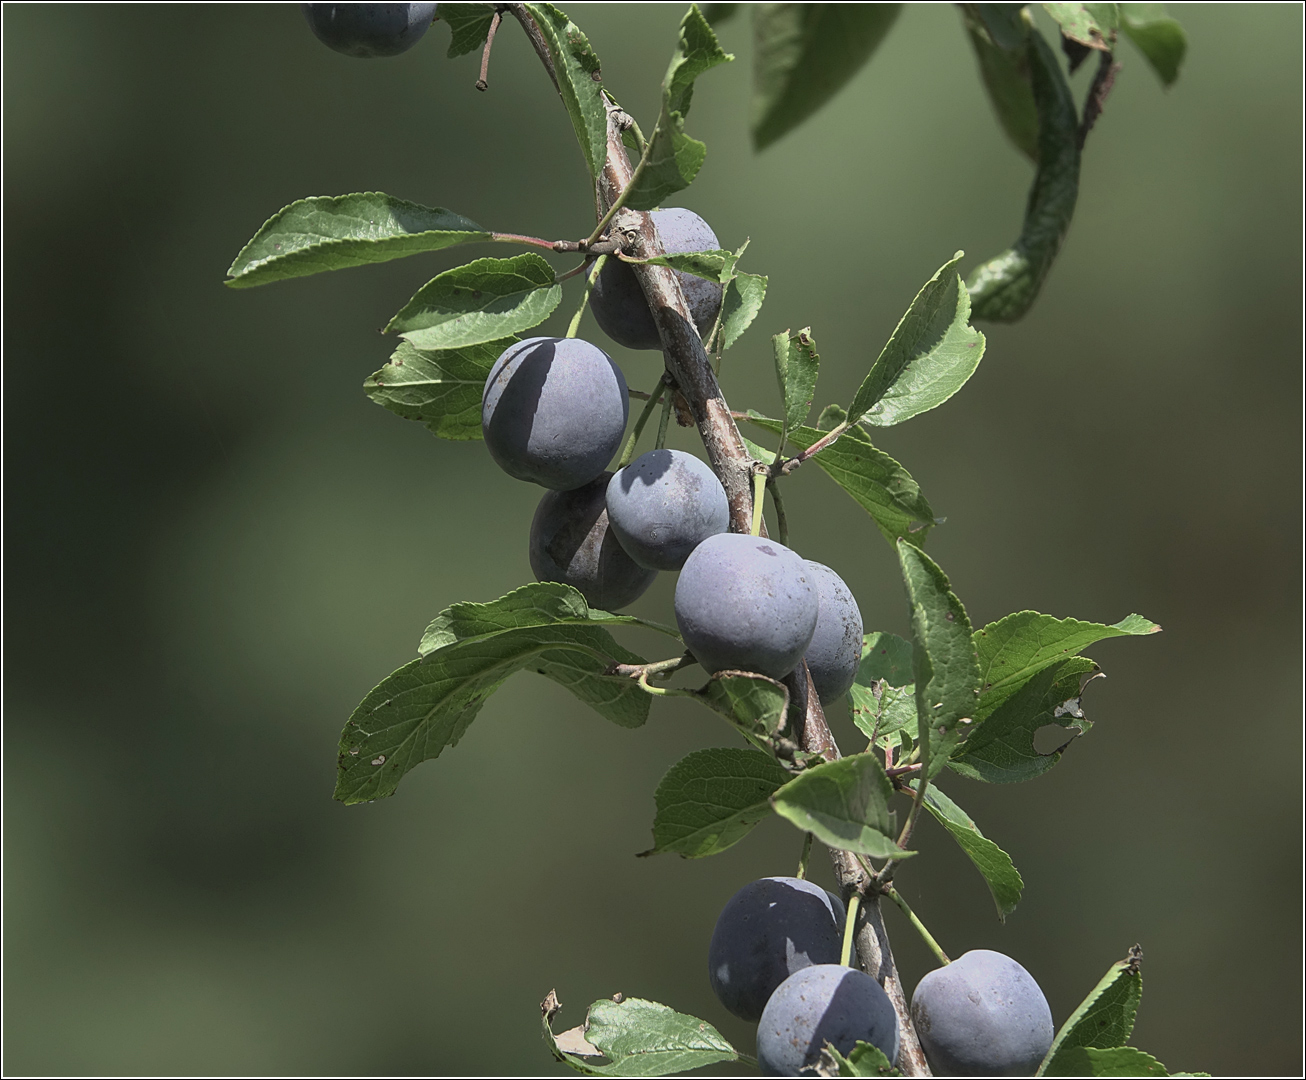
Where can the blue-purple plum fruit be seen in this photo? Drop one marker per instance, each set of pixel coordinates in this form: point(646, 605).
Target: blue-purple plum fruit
point(826, 1003)
point(982, 1015)
point(836, 647)
point(663, 505)
point(768, 930)
point(367, 30)
point(553, 411)
point(618, 302)
point(748, 604)
point(571, 543)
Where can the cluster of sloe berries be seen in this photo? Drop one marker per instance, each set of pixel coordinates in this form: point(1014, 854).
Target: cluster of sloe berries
point(368, 30)
point(774, 961)
point(554, 412)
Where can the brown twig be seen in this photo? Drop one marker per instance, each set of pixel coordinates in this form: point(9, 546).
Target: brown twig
point(482, 83)
point(519, 12)
point(1097, 95)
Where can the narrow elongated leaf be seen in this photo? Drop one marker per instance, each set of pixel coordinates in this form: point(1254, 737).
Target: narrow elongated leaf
point(713, 265)
point(427, 704)
point(994, 864)
point(743, 300)
point(674, 157)
point(711, 799)
point(796, 368)
point(929, 357)
point(753, 704)
point(999, 46)
point(864, 1059)
point(1117, 1061)
point(844, 804)
point(1001, 750)
point(1015, 648)
point(485, 300)
point(877, 483)
point(883, 694)
point(439, 388)
point(1093, 25)
point(1104, 1019)
point(1005, 287)
point(804, 54)
point(334, 232)
point(469, 25)
point(580, 82)
point(1160, 38)
point(943, 659)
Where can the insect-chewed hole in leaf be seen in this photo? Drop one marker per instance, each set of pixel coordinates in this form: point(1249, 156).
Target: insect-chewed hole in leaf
point(1051, 737)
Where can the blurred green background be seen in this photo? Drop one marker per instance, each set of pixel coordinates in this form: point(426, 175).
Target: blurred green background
point(215, 544)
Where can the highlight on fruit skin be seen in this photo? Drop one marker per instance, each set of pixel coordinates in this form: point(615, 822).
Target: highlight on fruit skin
point(554, 411)
point(767, 931)
point(982, 1015)
point(369, 30)
point(746, 603)
point(824, 1003)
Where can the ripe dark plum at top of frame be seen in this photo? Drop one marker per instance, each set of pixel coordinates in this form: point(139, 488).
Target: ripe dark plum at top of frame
point(982, 1015)
point(554, 411)
point(663, 505)
point(618, 302)
point(367, 30)
point(820, 1004)
point(747, 604)
point(571, 543)
point(836, 647)
point(768, 930)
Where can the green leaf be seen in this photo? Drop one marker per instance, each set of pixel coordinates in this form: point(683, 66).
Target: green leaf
point(929, 357)
point(1005, 287)
point(997, 34)
point(752, 704)
point(844, 804)
point(743, 300)
point(485, 300)
point(943, 659)
point(1160, 38)
point(711, 799)
point(334, 232)
point(1015, 648)
point(796, 367)
point(675, 158)
point(580, 82)
point(439, 388)
point(643, 1038)
point(994, 864)
point(863, 1060)
point(1093, 25)
point(426, 705)
point(1001, 750)
point(469, 25)
point(877, 483)
point(1104, 1019)
point(804, 54)
point(883, 694)
point(1117, 1061)
point(713, 265)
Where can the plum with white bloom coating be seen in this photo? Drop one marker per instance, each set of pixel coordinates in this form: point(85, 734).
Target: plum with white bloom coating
point(618, 302)
point(747, 604)
point(553, 411)
point(367, 30)
point(836, 647)
point(827, 1003)
point(768, 930)
point(663, 505)
point(571, 543)
point(982, 1015)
